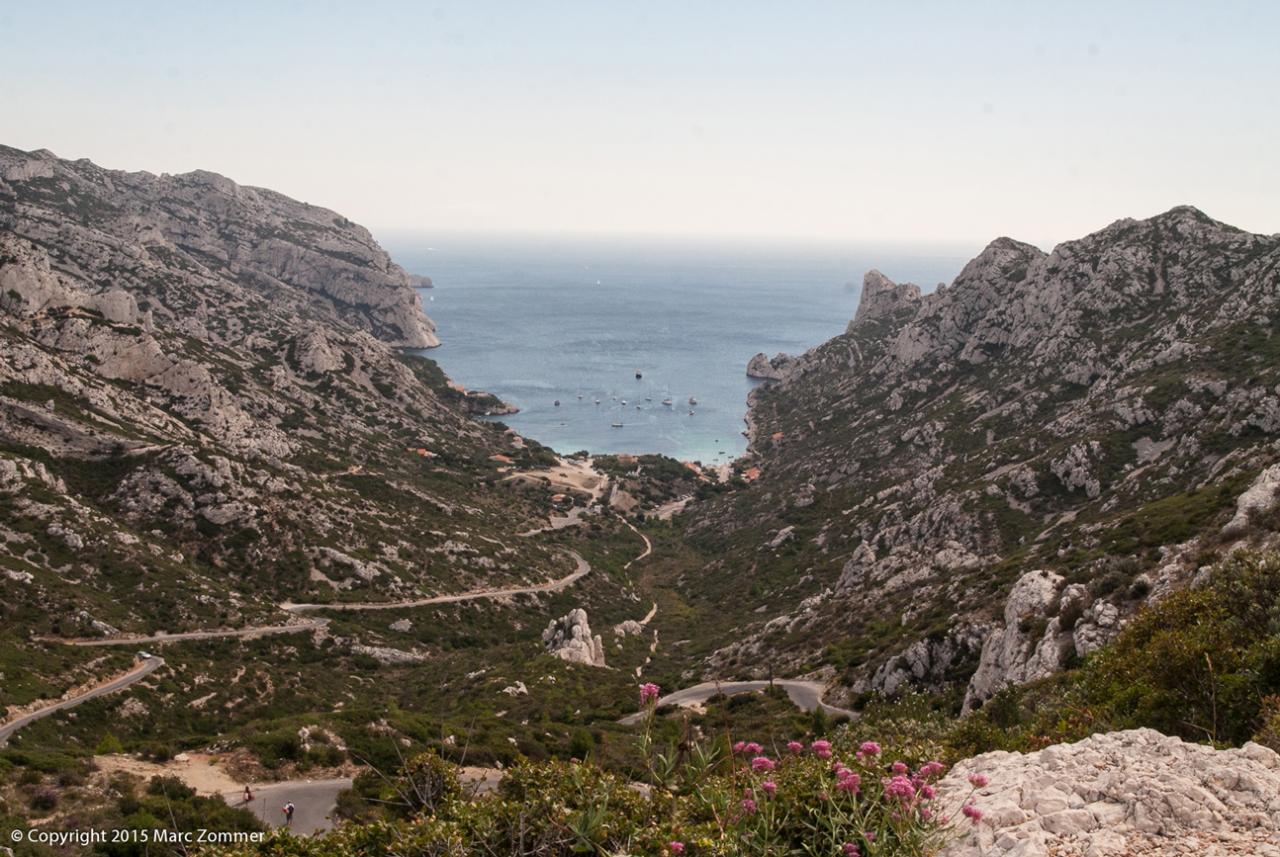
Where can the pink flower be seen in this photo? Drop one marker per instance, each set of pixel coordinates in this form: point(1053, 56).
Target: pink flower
point(972, 813)
point(927, 792)
point(748, 805)
point(926, 813)
point(899, 768)
point(851, 850)
point(676, 847)
point(869, 835)
point(932, 769)
point(899, 787)
point(821, 749)
point(869, 748)
point(753, 748)
point(762, 764)
point(649, 692)
point(795, 747)
point(739, 746)
point(770, 787)
point(849, 782)
point(978, 780)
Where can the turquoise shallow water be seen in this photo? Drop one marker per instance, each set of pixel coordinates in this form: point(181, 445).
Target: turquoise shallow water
point(533, 321)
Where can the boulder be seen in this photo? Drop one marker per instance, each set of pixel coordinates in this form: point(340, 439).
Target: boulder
point(570, 639)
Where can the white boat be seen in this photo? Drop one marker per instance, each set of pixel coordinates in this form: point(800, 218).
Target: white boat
point(667, 401)
point(692, 400)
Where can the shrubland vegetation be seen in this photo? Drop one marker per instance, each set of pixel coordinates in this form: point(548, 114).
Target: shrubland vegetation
point(1203, 663)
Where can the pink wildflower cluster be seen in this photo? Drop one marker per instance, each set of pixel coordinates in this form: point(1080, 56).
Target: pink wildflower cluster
point(821, 749)
point(751, 748)
point(846, 780)
point(675, 847)
point(649, 692)
point(763, 764)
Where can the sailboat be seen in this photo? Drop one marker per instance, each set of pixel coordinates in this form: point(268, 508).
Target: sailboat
point(617, 423)
point(668, 400)
point(692, 400)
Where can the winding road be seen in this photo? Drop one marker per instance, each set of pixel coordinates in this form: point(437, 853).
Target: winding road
point(142, 670)
point(249, 633)
point(807, 695)
point(582, 570)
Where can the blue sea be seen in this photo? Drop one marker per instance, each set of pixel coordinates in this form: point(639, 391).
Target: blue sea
point(536, 320)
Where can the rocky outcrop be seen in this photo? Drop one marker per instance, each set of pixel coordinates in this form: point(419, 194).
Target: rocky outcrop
point(570, 639)
point(882, 299)
point(1120, 794)
point(1046, 624)
point(1259, 499)
point(770, 369)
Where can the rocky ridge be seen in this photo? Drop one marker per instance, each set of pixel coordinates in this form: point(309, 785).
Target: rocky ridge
point(982, 482)
point(204, 398)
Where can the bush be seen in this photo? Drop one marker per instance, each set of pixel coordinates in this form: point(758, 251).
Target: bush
point(44, 799)
point(1202, 664)
point(1199, 663)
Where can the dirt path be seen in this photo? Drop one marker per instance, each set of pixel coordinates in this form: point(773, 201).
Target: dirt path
point(200, 771)
point(568, 475)
point(558, 522)
point(108, 686)
point(648, 545)
point(583, 568)
point(807, 695)
point(674, 507)
point(162, 639)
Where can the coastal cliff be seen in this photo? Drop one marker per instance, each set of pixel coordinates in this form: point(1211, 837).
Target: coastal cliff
point(206, 383)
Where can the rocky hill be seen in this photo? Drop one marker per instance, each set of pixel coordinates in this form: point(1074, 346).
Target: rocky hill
point(978, 485)
point(205, 409)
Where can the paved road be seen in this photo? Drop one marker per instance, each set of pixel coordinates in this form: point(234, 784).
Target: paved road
point(807, 695)
point(136, 674)
point(313, 801)
point(583, 568)
point(162, 639)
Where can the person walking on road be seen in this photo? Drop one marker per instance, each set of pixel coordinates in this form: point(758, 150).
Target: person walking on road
point(248, 794)
point(288, 813)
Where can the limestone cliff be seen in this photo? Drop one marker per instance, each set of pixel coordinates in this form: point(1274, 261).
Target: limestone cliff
point(204, 410)
point(1088, 416)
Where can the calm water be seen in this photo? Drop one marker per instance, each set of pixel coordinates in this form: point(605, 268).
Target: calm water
point(533, 321)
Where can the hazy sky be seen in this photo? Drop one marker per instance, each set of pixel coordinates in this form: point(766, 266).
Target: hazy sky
point(859, 122)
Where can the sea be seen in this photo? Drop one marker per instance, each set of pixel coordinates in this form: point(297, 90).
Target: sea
point(609, 329)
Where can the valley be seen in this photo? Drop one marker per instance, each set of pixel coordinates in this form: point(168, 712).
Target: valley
point(223, 441)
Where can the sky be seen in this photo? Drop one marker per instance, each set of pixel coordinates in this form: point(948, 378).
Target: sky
point(914, 122)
